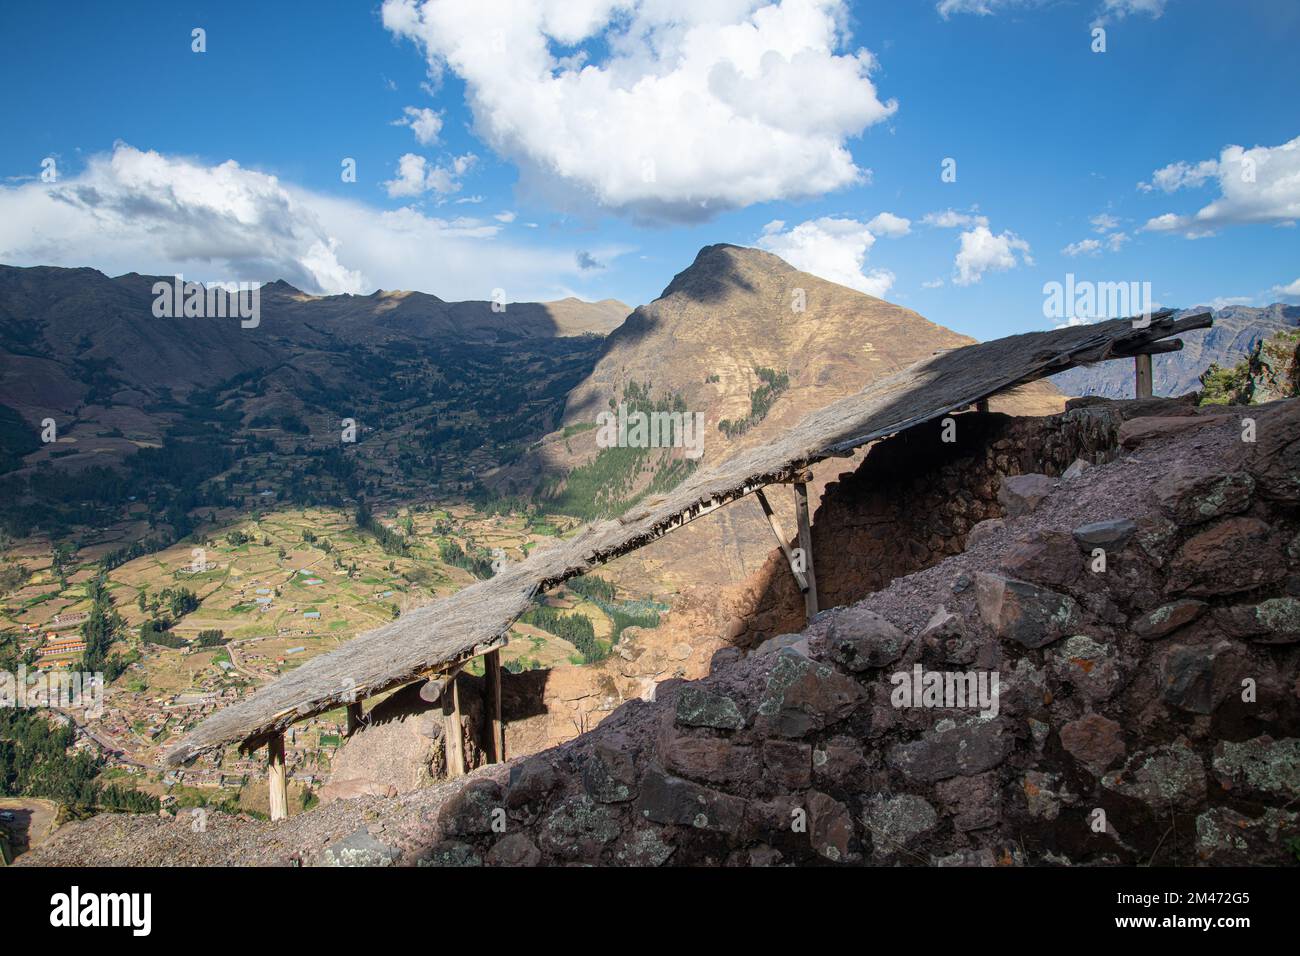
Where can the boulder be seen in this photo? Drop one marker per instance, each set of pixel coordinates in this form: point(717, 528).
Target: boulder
point(858, 639)
point(1274, 621)
point(802, 696)
point(609, 775)
point(697, 707)
point(666, 799)
point(1160, 778)
point(949, 750)
point(1112, 535)
point(359, 848)
point(1168, 618)
point(1030, 615)
point(895, 821)
point(1021, 494)
point(1138, 431)
point(1093, 740)
point(1050, 558)
point(1238, 554)
point(1192, 496)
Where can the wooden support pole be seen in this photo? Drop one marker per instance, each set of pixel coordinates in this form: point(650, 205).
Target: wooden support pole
point(452, 742)
point(355, 715)
point(805, 542)
point(1142, 370)
point(982, 406)
point(496, 727)
point(277, 778)
point(781, 539)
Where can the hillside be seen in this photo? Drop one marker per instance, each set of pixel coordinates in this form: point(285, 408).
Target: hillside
point(1237, 329)
point(725, 339)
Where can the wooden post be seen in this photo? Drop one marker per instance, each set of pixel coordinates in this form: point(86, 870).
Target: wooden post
point(982, 406)
point(355, 713)
point(1142, 371)
point(276, 777)
point(452, 744)
point(805, 542)
point(775, 525)
point(496, 728)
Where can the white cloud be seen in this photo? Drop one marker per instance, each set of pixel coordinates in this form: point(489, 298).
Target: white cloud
point(1180, 175)
point(136, 211)
point(932, 284)
point(1109, 9)
point(1258, 185)
point(1103, 222)
point(982, 251)
point(1119, 9)
point(1287, 293)
point(889, 226)
point(423, 122)
point(415, 176)
point(1084, 247)
point(507, 217)
point(951, 219)
point(830, 248)
point(693, 108)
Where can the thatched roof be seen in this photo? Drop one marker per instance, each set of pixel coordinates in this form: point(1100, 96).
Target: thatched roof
point(472, 620)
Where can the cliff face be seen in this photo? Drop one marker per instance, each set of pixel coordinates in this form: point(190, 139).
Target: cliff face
point(1141, 619)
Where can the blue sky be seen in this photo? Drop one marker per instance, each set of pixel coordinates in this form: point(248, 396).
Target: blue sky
point(793, 125)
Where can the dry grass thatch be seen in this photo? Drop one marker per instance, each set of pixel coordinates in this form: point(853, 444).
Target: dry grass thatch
point(473, 620)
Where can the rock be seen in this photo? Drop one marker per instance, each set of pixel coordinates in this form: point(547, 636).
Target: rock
point(1275, 621)
point(472, 809)
point(1226, 837)
point(1138, 431)
point(1168, 618)
point(1261, 766)
point(946, 633)
point(451, 853)
point(1021, 494)
point(1112, 535)
point(1088, 666)
point(1156, 536)
point(1239, 554)
point(712, 759)
point(1049, 558)
point(773, 644)
point(697, 707)
point(514, 849)
point(830, 827)
point(359, 848)
point(1275, 456)
point(895, 821)
point(1077, 468)
point(577, 828)
point(787, 764)
point(608, 775)
point(1193, 497)
point(946, 751)
point(838, 761)
point(723, 658)
point(974, 802)
point(531, 782)
point(666, 799)
point(644, 846)
point(1197, 678)
point(1030, 615)
point(802, 696)
point(1172, 775)
point(1093, 740)
point(858, 639)
point(1041, 797)
point(983, 530)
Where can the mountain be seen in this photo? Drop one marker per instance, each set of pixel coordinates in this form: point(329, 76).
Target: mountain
point(727, 339)
point(1237, 330)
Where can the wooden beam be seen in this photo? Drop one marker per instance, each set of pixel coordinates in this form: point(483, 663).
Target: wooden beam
point(1142, 372)
point(496, 727)
point(805, 542)
point(277, 778)
point(800, 578)
point(452, 741)
point(355, 717)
